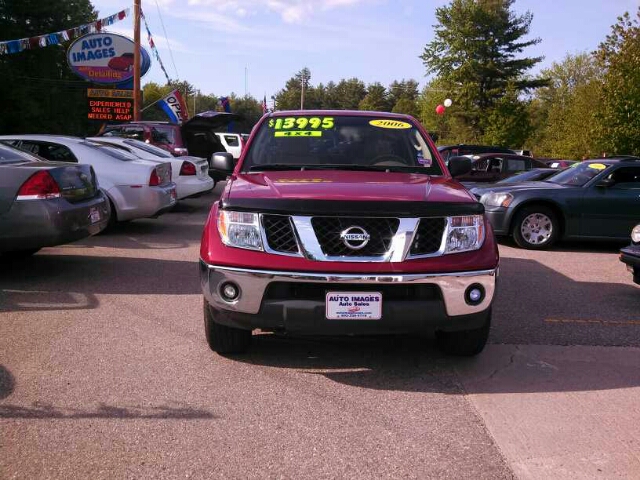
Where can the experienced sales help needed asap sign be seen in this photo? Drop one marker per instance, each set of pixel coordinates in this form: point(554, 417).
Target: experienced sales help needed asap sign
point(105, 58)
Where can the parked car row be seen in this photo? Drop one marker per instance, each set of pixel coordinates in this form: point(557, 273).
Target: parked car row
point(75, 187)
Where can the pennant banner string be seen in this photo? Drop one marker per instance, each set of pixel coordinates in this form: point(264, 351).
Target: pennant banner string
point(56, 38)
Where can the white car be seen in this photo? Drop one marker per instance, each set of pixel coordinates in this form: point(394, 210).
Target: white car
point(232, 143)
point(190, 174)
point(136, 188)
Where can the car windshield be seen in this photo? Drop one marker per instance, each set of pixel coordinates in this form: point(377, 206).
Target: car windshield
point(13, 155)
point(340, 142)
point(528, 176)
point(579, 174)
point(155, 151)
point(112, 151)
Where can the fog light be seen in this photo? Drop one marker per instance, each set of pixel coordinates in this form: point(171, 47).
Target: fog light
point(474, 294)
point(229, 291)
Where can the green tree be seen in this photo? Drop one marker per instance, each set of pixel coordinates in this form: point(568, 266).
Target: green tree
point(40, 93)
point(249, 108)
point(403, 90)
point(564, 113)
point(508, 123)
point(376, 98)
point(476, 54)
point(350, 93)
point(619, 55)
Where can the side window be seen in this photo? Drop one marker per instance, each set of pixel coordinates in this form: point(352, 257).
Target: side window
point(232, 140)
point(113, 132)
point(627, 178)
point(135, 133)
point(517, 165)
point(495, 165)
point(50, 151)
point(481, 165)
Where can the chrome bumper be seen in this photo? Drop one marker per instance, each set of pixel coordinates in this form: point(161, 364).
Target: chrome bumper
point(253, 284)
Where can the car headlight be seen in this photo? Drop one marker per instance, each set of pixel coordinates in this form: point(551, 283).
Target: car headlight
point(240, 229)
point(464, 233)
point(635, 234)
point(497, 199)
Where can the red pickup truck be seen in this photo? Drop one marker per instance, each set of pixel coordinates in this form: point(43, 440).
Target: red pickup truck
point(346, 222)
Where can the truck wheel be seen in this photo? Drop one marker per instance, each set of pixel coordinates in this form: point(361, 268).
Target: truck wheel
point(536, 227)
point(465, 343)
point(223, 339)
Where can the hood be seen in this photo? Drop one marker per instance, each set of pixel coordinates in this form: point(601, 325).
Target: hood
point(348, 185)
point(512, 187)
point(210, 120)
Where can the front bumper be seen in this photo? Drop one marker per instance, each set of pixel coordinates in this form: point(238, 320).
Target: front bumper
point(631, 257)
point(291, 301)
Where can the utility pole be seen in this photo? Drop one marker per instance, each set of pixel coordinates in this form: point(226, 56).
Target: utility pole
point(136, 59)
point(305, 75)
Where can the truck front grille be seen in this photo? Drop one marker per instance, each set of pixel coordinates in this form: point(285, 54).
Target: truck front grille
point(428, 238)
point(280, 236)
point(328, 232)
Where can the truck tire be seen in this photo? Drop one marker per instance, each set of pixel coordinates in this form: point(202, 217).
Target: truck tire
point(223, 339)
point(536, 227)
point(465, 343)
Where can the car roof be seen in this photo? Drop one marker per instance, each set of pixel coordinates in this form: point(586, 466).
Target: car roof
point(340, 113)
point(63, 139)
point(480, 156)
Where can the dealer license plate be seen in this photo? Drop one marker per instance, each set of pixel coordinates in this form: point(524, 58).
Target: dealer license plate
point(94, 214)
point(354, 306)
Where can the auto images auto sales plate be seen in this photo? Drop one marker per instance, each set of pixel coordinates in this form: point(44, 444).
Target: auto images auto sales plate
point(354, 306)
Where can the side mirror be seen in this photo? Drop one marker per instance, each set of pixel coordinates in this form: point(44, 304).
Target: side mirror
point(458, 166)
point(606, 182)
point(222, 162)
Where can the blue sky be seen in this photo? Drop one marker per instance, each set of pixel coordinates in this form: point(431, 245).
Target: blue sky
point(214, 41)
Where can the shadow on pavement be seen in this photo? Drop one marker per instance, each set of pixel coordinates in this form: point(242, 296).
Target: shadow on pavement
point(104, 412)
point(587, 246)
point(535, 305)
point(54, 282)
point(7, 382)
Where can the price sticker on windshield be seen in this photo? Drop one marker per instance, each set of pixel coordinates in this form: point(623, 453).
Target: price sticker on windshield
point(392, 124)
point(302, 123)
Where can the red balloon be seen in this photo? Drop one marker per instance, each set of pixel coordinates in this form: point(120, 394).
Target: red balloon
point(440, 109)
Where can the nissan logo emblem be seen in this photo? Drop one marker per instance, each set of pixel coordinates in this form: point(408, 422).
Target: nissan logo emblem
point(355, 237)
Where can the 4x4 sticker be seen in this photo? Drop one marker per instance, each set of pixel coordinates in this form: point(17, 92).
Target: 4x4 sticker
point(393, 124)
point(299, 133)
point(301, 123)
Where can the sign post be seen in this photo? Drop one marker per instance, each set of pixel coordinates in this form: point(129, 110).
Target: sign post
point(136, 59)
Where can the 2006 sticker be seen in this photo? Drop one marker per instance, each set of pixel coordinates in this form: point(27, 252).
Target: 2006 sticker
point(393, 124)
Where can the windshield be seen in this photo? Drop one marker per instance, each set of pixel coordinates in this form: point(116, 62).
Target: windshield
point(579, 174)
point(340, 142)
point(528, 176)
point(153, 150)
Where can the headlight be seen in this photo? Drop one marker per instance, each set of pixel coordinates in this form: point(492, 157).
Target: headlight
point(635, 234)
point(240, 229)
point(464, 233)
point(497, 199)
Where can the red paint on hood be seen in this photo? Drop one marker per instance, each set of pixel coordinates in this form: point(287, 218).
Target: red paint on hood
point(347, 185)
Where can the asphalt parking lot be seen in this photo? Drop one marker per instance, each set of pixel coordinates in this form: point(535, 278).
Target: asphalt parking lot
point(105, 373)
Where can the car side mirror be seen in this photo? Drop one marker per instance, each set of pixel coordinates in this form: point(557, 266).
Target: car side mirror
point(459, 166)
point(606, 182)
point(223, 162)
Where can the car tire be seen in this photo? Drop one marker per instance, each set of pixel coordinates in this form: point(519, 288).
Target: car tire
point(465, 343)
point(536, 227)
point(223, 339)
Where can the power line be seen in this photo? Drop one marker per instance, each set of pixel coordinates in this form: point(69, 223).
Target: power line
point(166, 38)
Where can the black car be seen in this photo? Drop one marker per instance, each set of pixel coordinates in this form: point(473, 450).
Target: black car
point(631, 254)
point(595, 199)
